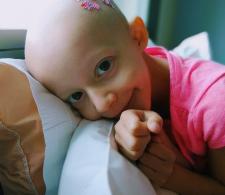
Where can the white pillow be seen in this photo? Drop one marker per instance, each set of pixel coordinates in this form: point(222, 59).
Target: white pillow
point(93, 165)
point(196, 46)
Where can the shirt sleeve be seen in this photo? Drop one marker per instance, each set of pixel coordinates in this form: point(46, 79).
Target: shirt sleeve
point(210, 115)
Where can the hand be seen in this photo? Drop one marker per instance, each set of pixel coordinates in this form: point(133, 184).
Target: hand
point(132, 131)
point(157, 162)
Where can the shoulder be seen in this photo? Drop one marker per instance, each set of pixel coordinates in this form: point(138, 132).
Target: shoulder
point(209, 85)
point(200, 89)
point(194, 79)
point(209, 112)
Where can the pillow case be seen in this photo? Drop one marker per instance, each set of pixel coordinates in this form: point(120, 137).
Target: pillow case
point(21, 154)
point(94, 166)
point(196, 46)
point(35, 131)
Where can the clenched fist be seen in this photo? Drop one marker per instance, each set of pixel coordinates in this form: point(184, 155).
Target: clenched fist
point(133, 131)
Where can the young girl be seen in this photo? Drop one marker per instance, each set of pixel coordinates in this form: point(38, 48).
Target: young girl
point(87, 54)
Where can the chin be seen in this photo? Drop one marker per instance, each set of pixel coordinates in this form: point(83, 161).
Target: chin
point(112, 115)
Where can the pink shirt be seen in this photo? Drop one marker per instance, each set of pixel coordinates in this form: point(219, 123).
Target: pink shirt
point(197, 104)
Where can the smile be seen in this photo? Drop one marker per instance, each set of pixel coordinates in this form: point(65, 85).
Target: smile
point(127, 106)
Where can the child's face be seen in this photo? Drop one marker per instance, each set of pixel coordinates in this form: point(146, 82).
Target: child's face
point(106, 75)
point(99, 71)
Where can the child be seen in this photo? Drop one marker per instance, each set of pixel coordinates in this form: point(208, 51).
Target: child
point(86, 53)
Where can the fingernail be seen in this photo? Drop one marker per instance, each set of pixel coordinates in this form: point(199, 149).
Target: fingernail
point(155, 127)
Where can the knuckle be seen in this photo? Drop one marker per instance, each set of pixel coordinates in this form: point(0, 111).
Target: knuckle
point(131, 147)
point(163, 181)
point(134, 127)
point(168, 169)
point(117, 138)
point(117, 127)
point(124, 114)
point(135, 155)
point(134, 145)
point(157, 116)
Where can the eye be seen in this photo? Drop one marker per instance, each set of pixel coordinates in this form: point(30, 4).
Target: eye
point(75, 97)
point(103, 67)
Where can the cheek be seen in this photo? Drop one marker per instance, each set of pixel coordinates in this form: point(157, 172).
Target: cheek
point(88, 111)
point(134, 77)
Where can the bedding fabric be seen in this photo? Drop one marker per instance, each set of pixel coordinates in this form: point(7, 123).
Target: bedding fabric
point(93, 165)
point(35, 131)
point(21, 153)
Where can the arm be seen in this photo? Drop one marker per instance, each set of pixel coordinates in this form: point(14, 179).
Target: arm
point(185, 181)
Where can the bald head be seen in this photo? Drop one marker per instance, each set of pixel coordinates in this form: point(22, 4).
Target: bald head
point(63, 27)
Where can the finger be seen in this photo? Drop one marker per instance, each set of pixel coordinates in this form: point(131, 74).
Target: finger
point(132, 155)
point(133, 122)
point(140, 118)
point(153, 175)
point(154, 122)
point(132, 143)
point(161, 151)
point(156, 164)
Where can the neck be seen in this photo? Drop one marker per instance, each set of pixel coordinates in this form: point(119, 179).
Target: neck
point(160, 82)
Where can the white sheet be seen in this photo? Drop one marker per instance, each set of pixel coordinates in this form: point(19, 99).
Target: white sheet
point(93, 165)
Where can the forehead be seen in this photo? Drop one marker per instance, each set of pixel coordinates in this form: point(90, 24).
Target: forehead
point(74, 65)
point(92, 37)
point(79, 41)
point(102, 30)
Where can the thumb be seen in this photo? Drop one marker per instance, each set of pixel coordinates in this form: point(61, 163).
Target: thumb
point(154, 122)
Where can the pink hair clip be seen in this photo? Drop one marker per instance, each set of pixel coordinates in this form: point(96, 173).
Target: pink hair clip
point(89, 5)
point(93, 5)
point(108, 2)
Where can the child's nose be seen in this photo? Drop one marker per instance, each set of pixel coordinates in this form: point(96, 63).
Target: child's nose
point(103, 102)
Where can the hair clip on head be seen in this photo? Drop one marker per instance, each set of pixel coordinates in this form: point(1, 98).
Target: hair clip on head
point(108, 2)
point(91, 5)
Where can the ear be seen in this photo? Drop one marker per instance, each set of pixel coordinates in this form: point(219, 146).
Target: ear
point(139, 32)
